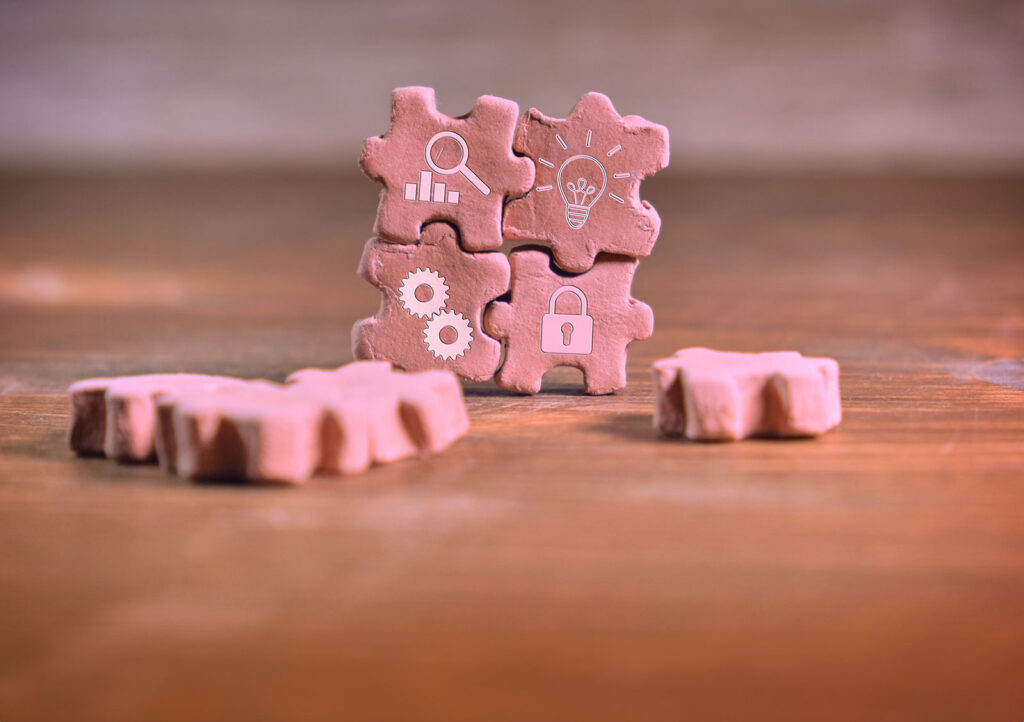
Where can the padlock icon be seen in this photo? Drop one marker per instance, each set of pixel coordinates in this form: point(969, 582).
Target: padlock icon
point(567, 332)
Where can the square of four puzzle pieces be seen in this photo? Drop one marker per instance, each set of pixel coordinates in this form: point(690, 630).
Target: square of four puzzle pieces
point(455, 188)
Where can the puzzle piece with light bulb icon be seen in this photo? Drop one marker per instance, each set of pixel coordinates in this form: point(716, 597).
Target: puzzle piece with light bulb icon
point(551, 319)
point(433, 298)
point(438, 168)
point(586, 197)
point(336, 421)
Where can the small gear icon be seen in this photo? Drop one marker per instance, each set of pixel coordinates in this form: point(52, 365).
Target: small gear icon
point(448, 320)
point(438, 292)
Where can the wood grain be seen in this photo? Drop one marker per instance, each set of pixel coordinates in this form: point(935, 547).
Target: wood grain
point(561, 562)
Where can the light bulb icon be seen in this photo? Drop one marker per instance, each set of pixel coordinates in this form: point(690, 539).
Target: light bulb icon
point(579, 192)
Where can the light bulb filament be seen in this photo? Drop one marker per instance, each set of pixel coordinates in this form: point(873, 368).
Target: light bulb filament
point(580, 195)
point(580, 190)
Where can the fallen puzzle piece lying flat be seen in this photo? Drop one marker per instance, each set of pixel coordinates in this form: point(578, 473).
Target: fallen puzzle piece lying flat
point(337, 421)
point(708, 395)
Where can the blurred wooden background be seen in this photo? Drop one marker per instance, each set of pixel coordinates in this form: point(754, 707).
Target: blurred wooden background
point(739, 83)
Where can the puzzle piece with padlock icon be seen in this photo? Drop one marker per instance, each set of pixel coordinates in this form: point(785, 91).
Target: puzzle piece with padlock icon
point(577, 189)
point(585, 321)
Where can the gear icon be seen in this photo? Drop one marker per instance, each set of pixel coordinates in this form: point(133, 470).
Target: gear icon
point(448, 320)
point(438, 292)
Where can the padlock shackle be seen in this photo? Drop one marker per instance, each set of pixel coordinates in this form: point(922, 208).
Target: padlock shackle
point(568, 289)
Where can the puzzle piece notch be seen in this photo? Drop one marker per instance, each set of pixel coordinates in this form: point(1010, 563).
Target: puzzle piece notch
point(612, 154)
point(472, 152)
point(423, 334)
point(711, 395)
point(538, 338)
point(338, 421)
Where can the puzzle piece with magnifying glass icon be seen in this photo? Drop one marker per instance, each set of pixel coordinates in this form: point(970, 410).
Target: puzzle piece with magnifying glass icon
point(438, 168)
point(433, 297)
point(586, 197)
point(553, 319)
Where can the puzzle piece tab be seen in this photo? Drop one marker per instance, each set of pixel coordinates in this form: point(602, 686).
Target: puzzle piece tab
point(435, 167)
point(583, 321)
point(723, 396)
point(434, 294)
point(586, 198)
point(338, 421)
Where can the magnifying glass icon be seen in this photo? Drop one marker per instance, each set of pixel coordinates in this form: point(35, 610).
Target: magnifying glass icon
point(459, 167)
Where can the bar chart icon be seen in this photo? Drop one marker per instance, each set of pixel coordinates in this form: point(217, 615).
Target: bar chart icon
point(430, 191)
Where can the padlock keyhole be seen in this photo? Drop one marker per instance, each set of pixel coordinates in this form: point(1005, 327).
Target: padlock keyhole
point(566, 333)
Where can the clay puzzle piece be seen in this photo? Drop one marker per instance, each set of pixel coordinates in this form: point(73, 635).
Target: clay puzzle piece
point(433, 297)
point(586, 197)
point(553, 319)
point(708, 395)
point(115, 417)
point(337, 421)
point(435, 167)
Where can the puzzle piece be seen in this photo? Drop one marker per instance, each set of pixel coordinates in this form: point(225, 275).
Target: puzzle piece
point(115, 417)
point(598, 320)
point(435, 167)
point(586, 199)
point(337, 421)
point(717, 396)
point(434, 294)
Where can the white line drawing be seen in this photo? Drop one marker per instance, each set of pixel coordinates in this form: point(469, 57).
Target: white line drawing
point(561, 142)
point(617, 198)
point(614, 150)
point(427, 190)
point(544, 188)
point(544, 161)
point(590, 136)
point(459, 344)
point(622, 175)
point(421, 191)
point(459, 167)
point(571, 333)
point(434, 282)
point(577, 210)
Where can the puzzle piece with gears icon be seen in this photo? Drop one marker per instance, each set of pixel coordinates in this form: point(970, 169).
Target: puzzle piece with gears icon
point(438, 168)
point(433, 297)
point(553, 319)
point(586, 196)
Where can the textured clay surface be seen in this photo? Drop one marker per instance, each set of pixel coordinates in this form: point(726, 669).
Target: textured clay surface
point(433, 297)
point(116, 417)
point(586, 196)
point(708, 395)
point(544, 324)
point(438, 168)
point(338, 421)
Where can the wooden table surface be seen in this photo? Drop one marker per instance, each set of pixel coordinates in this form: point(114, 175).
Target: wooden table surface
point(561, 562)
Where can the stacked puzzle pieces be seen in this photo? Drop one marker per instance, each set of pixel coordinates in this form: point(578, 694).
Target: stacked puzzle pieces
point(454, 189)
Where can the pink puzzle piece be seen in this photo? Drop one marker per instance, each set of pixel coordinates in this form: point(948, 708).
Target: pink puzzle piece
point(586, 198)
point(435, 167)
point(338, 421)
point(584, 321)
point(115, 417)
point(710, 395)
point(434, 294)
